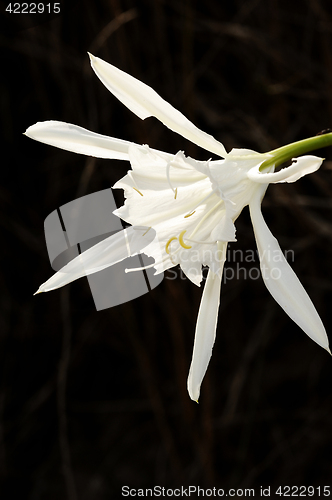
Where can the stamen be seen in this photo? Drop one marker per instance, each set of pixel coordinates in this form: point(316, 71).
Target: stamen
point(189, 215)
point(205, 217)
point(202, 242)
point(182, 243)
point(168, 244)
point(168, 178)
point(148, 229)
point(137, 191)
point(175, 193)
point(132, 269)
point(131, 177)
point(202, 201)
point(154, 264)
point(221, 194)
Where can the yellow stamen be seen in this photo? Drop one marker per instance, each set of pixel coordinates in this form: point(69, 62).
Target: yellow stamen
point(175, 193)
point(182, 243)
point(137, 191)
point(189, 215)
point(169, 242)
point(206, 216)
point(148, 229)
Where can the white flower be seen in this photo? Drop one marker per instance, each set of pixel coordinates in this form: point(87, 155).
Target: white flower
point(191, 206)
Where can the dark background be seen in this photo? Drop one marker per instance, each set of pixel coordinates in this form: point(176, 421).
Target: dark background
point(93, 401)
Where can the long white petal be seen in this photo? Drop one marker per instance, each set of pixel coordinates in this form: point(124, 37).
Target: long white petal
point(106, 253)
point(281, 281)
point(78, 140)
point(301, 166)
point(205, 333)
point(145, 102)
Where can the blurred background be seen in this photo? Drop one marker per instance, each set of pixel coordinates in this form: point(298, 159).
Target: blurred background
point(91, 401)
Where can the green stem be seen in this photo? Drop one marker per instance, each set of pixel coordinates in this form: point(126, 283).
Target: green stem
point(295, 149)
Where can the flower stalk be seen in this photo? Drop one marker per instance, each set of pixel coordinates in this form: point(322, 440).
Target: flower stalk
point(298, 148)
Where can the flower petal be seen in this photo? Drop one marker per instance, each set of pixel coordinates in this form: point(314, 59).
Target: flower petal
point(225, 230)
point(145, 102)
point(149, 171)
point(301, 166)
point(106, 253)
point(78, 140)
point(205, 330)
point(280, 279)
point(191, 268)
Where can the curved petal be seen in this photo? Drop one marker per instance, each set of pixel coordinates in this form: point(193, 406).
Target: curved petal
point(205, 333)
point(106, 253)
point(150, 171)
point(191, 268)
point(281, 281)
point(145, 102)
point(301, 166)
point(78, 140)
